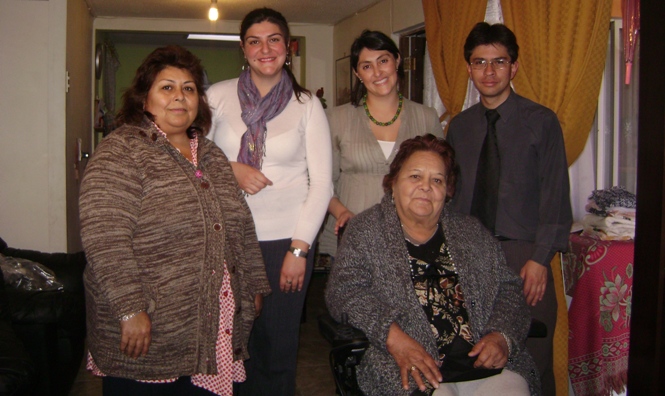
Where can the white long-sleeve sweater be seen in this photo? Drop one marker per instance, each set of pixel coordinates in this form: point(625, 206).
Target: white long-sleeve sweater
point(298, 160)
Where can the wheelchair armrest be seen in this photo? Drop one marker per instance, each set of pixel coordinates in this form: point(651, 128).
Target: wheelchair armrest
point(340, 334)
point(348, 347)
point(538, 329)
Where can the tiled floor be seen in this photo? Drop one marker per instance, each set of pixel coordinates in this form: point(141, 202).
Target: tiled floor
point(313, 377)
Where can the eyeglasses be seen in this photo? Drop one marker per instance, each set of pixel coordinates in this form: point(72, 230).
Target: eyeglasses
point(498, 63)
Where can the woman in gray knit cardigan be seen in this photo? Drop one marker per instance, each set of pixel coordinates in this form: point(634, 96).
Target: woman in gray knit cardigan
point(430, 289)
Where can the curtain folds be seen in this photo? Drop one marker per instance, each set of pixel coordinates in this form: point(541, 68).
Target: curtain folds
point(446, 46)
point(562, 47)
point(562, 57)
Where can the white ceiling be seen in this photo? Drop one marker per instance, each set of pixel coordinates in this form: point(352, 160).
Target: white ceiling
point(327, 12)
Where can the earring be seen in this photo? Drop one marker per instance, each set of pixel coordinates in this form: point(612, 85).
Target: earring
point(288, 61)
point(361, 80)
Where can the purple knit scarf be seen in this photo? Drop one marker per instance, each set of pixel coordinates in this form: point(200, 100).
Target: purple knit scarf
point(256, 112)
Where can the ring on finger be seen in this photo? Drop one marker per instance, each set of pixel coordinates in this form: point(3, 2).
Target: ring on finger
point(413, 368)
point(288, 282)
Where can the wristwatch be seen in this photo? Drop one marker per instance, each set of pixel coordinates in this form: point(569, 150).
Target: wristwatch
point(298, 252)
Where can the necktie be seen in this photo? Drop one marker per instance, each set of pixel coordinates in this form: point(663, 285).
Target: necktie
point(486, 189)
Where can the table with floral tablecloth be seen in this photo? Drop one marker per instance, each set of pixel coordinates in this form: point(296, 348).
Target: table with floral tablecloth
point(599, 278)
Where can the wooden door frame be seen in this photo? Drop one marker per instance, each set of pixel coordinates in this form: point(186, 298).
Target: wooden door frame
point(646, 366)
point(412, 48)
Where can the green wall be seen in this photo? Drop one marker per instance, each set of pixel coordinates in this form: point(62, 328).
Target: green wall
point(220, 64)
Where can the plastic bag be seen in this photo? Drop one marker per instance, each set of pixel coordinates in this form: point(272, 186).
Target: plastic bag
point(28, 275)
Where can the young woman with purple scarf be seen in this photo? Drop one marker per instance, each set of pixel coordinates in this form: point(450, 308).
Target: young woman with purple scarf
point(278, 135)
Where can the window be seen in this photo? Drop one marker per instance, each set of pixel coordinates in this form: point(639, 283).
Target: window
point(610, 155)
point(615, 128)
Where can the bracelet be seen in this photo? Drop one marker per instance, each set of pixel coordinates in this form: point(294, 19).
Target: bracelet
point(298, 252)
point(510, 349)
point(125, 318)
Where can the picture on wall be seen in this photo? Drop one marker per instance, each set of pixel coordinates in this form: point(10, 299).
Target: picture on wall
point(342, 81)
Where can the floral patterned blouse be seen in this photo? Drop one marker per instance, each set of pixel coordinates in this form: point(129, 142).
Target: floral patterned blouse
point(436, 282)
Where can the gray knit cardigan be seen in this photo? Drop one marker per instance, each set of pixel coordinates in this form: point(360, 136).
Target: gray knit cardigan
point(156, 237)
point(371, 282)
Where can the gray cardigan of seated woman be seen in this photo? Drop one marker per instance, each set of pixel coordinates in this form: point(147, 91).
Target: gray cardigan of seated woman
point(371, 282)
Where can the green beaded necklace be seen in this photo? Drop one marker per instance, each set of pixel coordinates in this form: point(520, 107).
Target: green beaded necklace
point(379, 123)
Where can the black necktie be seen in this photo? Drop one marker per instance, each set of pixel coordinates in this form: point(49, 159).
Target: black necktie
point(486, 190)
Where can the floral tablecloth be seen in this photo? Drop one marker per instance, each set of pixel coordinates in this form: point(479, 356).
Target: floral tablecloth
point(599, 278)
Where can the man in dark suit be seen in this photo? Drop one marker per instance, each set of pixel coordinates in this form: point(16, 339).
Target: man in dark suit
point(514, 176)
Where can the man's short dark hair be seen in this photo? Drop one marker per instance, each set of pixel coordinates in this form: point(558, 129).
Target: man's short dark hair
point(485, 34)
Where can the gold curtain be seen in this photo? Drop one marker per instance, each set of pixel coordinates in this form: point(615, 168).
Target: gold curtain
point(447, 23)
point(562, 57)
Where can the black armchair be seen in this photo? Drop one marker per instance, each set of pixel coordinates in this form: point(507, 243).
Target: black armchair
point(349, 345)
point(17, 370)
point(49, 324)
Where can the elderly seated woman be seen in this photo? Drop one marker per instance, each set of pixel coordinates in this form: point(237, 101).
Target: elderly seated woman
point(430, 289)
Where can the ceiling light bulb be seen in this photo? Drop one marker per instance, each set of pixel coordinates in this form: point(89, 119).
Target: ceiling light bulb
point(213, 14)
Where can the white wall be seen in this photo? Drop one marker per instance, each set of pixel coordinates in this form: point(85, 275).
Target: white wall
point(318, 41)
point(407, 14)
point(320, 63)
point(377, 17)
point(32, 125)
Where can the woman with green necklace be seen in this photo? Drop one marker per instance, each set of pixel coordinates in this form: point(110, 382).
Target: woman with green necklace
point(367, 132)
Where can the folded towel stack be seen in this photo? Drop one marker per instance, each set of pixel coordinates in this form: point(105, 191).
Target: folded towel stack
point(611, 214)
